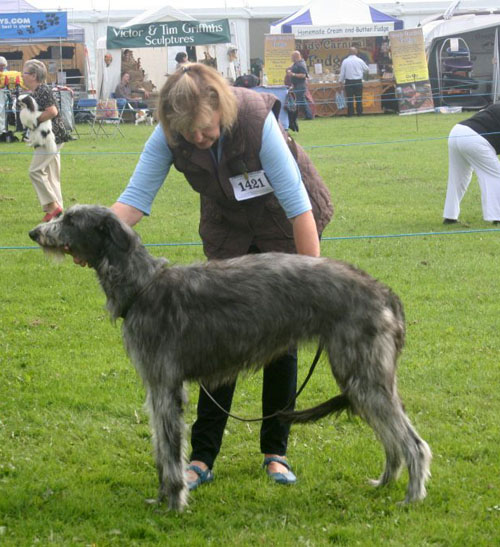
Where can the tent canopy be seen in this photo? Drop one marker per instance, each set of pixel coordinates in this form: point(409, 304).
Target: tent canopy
point(480, 33)
point(154, 61)
point(223, 41)
point(458, 24)
point(332, 13)
point(164, 14)
point(75, 33)
point(16, 6)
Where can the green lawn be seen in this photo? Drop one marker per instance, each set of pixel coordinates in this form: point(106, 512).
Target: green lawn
point(76, 463)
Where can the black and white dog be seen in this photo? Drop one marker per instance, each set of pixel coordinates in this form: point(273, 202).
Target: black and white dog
point(40, 134)
point(208, 322)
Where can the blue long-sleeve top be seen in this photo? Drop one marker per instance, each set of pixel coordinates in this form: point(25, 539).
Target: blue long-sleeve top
point(277, 162)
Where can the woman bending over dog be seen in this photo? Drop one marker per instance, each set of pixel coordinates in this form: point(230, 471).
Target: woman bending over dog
point(256, 196)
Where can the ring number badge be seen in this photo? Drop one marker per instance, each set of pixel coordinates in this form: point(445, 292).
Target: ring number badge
point(250, 185)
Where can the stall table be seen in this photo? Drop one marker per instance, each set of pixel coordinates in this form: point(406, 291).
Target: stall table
point(324, 96)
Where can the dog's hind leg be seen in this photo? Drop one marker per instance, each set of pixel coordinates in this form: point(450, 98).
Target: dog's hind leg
point(418, 458)
point(168, 436)
point(381, 412)
point(369, 382)
point(384, 412)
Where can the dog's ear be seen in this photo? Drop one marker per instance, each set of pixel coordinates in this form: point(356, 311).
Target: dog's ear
point(29, 102)
point(118, 233)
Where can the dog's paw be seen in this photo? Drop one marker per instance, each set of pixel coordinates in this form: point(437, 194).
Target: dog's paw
point(152, 501)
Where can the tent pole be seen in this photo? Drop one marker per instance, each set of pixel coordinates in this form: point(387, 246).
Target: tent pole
point(60, 56)
point(496, 68)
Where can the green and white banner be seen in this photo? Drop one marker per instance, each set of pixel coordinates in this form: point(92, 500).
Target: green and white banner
point(171, 33)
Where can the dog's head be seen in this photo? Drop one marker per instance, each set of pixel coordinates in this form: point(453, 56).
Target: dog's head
point(86, 232)
point(26, 102)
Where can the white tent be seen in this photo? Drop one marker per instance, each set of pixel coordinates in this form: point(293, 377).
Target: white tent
point(480, 30)
point(154, 60)
point(159, 61)
point(335, 19)
point(457, 25)
point(239, 29)
point(166, 13)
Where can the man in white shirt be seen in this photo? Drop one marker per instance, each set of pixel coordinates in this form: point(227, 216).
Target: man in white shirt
point(351, 75)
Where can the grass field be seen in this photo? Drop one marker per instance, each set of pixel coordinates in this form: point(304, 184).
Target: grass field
point(76, 463)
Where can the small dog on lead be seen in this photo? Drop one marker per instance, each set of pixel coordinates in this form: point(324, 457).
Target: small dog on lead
point(40, 134)
point(144, 116)
point(208, 322)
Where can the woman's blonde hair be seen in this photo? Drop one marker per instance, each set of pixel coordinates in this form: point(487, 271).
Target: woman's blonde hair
point(37, 68)
point(189, 99)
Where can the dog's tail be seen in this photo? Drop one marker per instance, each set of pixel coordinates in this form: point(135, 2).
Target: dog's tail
point(336, 404)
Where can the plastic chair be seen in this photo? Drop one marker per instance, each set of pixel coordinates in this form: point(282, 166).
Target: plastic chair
point(109, 114)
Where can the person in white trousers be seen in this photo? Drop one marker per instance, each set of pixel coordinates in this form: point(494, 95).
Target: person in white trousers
point(45, 168)
point(474, 145)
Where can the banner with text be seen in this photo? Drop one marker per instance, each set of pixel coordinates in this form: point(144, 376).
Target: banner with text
point(33, 25)
point(331, 52)
point(277, 56)
point(315, 32)
point(413, 88)
point(171, 33)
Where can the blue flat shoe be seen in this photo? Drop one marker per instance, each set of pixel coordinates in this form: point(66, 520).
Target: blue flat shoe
point(203, 477)
point(280, 478)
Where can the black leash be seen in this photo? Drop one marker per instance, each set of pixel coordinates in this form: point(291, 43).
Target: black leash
point(292, 400)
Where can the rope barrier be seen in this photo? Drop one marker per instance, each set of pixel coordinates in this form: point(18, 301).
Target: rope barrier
point(387, 96)
point(334, 238)
point(306, 147)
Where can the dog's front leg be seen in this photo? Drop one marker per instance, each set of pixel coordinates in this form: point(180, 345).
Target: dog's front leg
point(165, 405)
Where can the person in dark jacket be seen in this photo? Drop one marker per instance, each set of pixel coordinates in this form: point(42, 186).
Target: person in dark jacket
point(297, 76)
point(223, 139)
point(474, 145)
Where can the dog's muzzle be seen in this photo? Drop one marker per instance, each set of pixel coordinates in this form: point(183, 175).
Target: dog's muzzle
point(43, 234)
point(35, 234)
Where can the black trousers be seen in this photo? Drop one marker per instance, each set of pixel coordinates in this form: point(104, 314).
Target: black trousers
point(354, 91)
point(278, 389)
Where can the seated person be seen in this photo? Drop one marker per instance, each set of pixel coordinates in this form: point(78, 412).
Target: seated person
point(124, 91)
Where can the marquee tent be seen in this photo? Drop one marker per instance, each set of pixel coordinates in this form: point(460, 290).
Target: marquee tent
point(332, 17)
point(478, 35)
point(152, 39)
point(238, 29)
point(64, 55)
point(75, 33)
point(166, 13)
point(153, 60)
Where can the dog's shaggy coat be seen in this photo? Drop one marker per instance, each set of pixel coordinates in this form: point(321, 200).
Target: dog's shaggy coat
point(40, 134)
point(208, 322)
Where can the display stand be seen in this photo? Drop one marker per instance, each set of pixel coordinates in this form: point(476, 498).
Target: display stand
point(455, 81)
point(325, 97)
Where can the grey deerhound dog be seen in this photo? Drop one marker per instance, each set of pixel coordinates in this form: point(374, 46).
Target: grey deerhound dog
point(208, 322)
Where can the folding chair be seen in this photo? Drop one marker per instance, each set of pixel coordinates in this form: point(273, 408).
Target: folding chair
point(85, 112)
point(108, 117)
